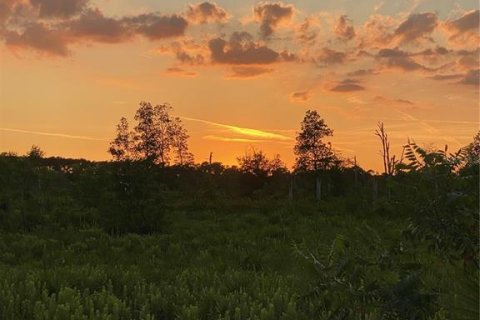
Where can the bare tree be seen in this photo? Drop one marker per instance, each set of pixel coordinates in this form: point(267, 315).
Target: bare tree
point(388, 162)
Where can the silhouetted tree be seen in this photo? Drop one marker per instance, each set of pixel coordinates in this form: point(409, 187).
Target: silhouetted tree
point(388, 162)
point(154, 138)
point(35, 152)
point(473, 150)
point(312, 152)
point(180, 142)
point(121, 146)
point(257, 163)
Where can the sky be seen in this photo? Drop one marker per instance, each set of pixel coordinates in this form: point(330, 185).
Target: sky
point(240, 74)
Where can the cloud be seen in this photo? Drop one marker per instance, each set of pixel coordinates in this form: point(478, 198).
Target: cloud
point(307, 31)
point(59, 8)
point(361, 73)
point(259, 134)
point(391, 53)
point(271, 15)
point(206, 12)
point(404, 101)
point(329, 56)
point(248, 72)
point(471, 78)
point(464, 28)
point(344, 29)
point(52, 134)
point(155, 26)
point(241, 49)
point(24, 26)
point(442, 77)
point(229, 139)
point(376, 31)
point(39, 37)
point(347, 85)
point(300, 96)
point(186, 51)
point(416, 26)
point(403, 63)
point(92, 25)
point(176, 71)
point(399, 60)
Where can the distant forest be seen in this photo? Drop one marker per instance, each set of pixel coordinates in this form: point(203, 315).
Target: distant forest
point(153, 235)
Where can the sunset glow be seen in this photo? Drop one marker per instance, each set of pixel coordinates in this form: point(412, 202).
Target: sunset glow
point(240, 74)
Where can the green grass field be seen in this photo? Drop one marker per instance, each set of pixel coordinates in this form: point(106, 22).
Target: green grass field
point(251, 262)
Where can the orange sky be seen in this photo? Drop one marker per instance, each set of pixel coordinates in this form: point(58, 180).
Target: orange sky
point(240, 75)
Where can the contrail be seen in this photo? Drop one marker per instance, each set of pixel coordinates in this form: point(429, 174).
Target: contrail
point(51, 134)
point(244, 131)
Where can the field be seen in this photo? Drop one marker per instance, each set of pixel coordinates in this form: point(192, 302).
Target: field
point(250, 263)
point(195, 243)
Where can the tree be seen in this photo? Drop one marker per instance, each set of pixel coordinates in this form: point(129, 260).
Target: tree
point(154, 138)
point(311, 151)
point(473, 150)
point(35, 152)
point(257, 163)
point(180, 142)
point(152, 135)
point(389, 163)
point(121, 146)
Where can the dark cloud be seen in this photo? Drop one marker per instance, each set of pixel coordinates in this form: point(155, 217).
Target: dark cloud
point(329, 56)
point(398, 59)
point(248, 71)
point(416, 26)
point(94, 26)
point(465, 25)
point(403, 63)
point(241, 49)
point(300, 96)
point(471, 78)
point(391, 53)
point(344, 28)
point(187, 58)
point(305, 33)
point(347, 85)
point(39, 37)
point(271, 15)
point(176, 71)
point(206, 12)
point(404, 101)
point(443, 77)
point(438, 51)
point(155, 26)
point(361, 73)
point(59, 8)
point(288, 56)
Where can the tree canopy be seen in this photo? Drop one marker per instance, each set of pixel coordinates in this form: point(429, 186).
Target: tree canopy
point(312, 153)
point(157, 137)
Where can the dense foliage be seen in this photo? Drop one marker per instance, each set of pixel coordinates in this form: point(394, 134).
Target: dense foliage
point(134, 240)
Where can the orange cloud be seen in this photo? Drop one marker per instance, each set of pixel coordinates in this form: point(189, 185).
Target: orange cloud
point(271, 15)
point(344, 28)
point(245, 72)
point(206, 12)
point(241, 49)
point(300, 96)
point(249, 132)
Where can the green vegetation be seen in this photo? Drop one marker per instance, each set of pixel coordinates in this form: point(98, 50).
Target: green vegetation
point(139, 239)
